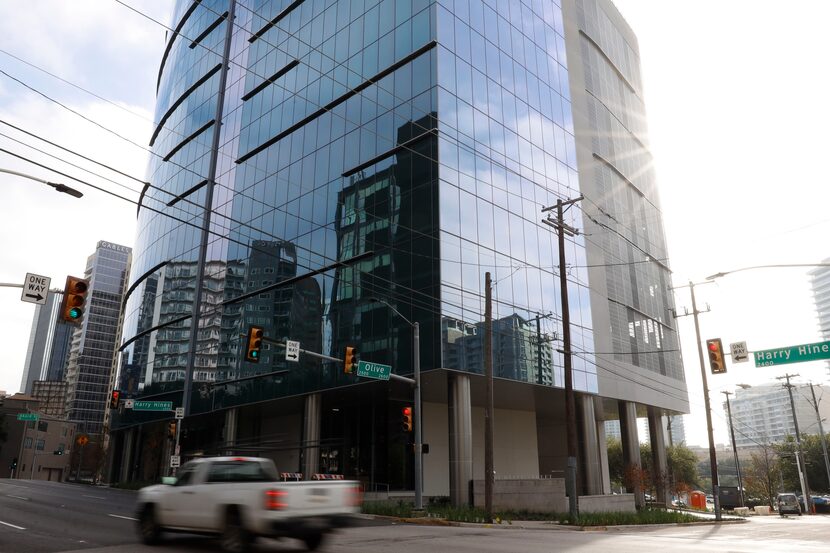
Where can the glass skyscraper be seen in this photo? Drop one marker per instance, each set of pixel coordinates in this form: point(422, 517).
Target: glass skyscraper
point(90, 369)
point(332, 171)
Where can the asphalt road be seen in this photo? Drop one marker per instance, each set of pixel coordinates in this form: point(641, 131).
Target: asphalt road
point(47, 517)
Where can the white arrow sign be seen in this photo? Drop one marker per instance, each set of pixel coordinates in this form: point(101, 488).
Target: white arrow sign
point(739, 352)
point(35, 288)
point(292, 351)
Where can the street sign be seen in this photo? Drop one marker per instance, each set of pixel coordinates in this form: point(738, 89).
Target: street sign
point(35, 288)
point(27, 416)
point(175, 461)
point(739, 352)
point(292, 351)
point(128, 403)
point(152, 405)
point(179, 412)
point(373, 370)
point(82, 440)
point(792, 354)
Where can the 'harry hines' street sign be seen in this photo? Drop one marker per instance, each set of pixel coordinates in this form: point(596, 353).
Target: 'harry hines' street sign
point(792, 354)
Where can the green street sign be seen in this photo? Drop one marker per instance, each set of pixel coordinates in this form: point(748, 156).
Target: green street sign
point(792, 354)
point(27, 416)
point(373, 370)
point(152, 406)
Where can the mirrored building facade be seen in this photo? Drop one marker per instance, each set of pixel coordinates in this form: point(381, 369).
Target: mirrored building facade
point(333, 171)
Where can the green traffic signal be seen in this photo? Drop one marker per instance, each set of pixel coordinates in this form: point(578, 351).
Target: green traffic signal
point(75, 313)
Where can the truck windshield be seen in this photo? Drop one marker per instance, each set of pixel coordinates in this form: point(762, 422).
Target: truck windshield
point(240, 471)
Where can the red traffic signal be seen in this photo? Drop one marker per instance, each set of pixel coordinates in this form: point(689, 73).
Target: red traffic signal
point(171, 430)
point(254, 349)
point(717, 361)
point(74, 298)
point(407, 419)
point(114, 398)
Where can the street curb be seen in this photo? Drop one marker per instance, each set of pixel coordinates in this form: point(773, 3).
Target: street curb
point(545, 525)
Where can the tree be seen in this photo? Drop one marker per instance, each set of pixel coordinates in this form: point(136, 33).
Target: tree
point(683, 473)
point(761, 476)
point(814, 462)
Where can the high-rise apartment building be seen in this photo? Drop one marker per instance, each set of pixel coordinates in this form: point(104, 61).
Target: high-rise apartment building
point(49, 340)
point(90, 371)
point(348, 168)
point(764, 415)
point(820, 281)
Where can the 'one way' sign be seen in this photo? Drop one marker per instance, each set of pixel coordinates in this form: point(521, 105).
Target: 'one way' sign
point(35, 288)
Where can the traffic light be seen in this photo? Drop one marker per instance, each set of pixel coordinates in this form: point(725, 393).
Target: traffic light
point(253, 351)
point(57, 452)
point(14, 463)
point(349, 359)
point(716, 359)
point(116, 395)
point(74, 298)
point(171, 430)
point(407, 419)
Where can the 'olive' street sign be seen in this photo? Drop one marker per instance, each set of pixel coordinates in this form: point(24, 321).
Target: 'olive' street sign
point(792, 354)
point(373, 370)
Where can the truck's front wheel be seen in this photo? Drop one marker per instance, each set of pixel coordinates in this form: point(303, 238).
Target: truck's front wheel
point(313, 541)
point(235, 539)
point(148, 528)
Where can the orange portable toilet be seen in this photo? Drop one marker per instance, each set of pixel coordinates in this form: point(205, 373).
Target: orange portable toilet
point(698, 500)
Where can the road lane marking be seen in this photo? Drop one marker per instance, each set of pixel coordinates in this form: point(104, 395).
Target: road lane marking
point(119, 516)
point(93, 496)
point(12, 525)
point(18, 497)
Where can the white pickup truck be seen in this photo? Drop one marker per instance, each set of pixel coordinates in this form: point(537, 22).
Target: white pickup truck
point(240, 498)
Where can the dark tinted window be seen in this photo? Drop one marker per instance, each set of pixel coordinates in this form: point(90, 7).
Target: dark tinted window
point(239, 471)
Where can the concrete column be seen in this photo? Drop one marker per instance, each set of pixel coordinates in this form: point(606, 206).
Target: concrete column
point(605, 472)
point(311, 435)
point(591, 480)
point(461, 439)
point(631, 451)
point(230, 429)
point(126, 455)
point(657, 437)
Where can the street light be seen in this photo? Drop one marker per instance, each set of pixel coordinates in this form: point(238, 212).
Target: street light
point(416, 362)
point(776, 266)
point(56, 185)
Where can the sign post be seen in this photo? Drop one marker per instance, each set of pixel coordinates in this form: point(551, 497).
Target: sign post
point(35, 288)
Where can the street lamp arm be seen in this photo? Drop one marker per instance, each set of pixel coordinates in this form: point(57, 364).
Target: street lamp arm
point(387, 304)
point(776, 266)
point(56, 185)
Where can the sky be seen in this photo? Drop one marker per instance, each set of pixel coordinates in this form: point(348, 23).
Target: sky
point(736, 95)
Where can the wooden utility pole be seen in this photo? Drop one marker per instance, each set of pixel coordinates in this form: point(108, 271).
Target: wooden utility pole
point(489, 475)
point(800, 461)
point(821, 433)
point(570, 400)
point(735, 450)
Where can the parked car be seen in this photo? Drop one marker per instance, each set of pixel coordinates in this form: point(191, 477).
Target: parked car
point(239, 498)
point(787, 503)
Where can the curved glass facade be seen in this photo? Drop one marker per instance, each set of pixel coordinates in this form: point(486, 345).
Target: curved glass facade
point(425, 136)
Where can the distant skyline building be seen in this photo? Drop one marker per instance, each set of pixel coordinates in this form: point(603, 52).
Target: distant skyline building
point(763, 414)
point(49, 340)
point(90, 371)
point(820, 281)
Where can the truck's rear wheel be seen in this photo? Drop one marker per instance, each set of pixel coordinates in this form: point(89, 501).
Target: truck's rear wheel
point(313, 541)
point(148, 528)
point(235, 539)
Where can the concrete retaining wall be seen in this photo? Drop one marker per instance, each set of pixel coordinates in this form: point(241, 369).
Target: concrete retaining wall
point(622, 503)
point(547, 495)
point(538, 494)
